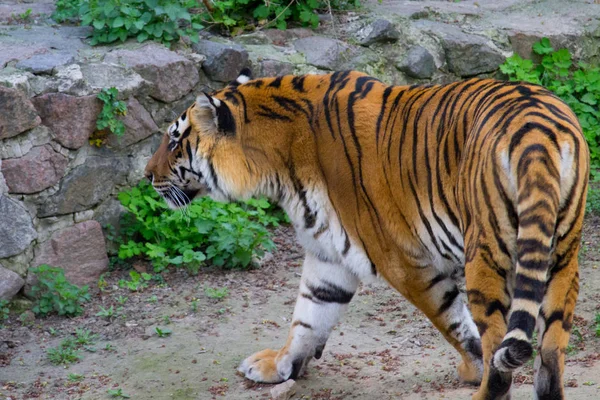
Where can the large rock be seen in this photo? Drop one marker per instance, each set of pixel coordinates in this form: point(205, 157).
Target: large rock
point(324, 52)
point(85, 186)
point(102, 75)
point(138, 125)
point(72, 119)
point(3, 187)
point(80, 250)
point(17, 115)
point(379, 31)
point(223, 61)
point(273, 68)
point(466, 54)
point(16, 227)
point(45, 63)
point(41, 168)
point(19, 146)
point(10, 283)
point(171, 76)
point(417, 63)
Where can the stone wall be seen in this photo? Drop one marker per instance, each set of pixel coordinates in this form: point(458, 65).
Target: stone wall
point(57, 190)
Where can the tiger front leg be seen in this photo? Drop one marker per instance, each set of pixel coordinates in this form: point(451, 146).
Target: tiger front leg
point(325, 291)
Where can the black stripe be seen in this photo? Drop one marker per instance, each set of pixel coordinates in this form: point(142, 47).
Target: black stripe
point(520, 319)
point(270, 113)
point(449, 298)
point(276, 83)
point(330, 293)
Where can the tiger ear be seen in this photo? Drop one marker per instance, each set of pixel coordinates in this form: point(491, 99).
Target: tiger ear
point(244, 76)
point(214, 115)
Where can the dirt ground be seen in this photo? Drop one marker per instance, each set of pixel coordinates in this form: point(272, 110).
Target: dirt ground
point(383, 349)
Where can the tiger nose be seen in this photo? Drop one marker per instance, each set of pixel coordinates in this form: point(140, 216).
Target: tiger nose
point(149, 176)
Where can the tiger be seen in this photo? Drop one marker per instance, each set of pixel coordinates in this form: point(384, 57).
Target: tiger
point(468, 198)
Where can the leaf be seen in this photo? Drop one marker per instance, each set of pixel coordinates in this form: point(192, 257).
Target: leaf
point(261, 12)
point(118, 22)
point(98, 24)
point(543, 47)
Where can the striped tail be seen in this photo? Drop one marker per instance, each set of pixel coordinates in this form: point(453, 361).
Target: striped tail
point(538, 202)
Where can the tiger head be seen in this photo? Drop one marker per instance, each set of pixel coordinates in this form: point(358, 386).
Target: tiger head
point(201, 154)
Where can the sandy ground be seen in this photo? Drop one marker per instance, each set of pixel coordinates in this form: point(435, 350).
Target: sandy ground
point(383, 349)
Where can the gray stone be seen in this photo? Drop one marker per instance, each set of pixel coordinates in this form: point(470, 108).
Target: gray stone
point(85, 186)
point(417, 63)
point(142, 153)
point(109, 213)
point(102, 75)
point(16, 227)
point(20, 145)
point(41, 168)
point(18, 114)
point(19, 263)
point(283, 37)
point(324, 52)
point(3, 187)
point(170, 75)
point(69, 80)
point(138, 126)
point(273, 68)
point(284, 391)
point(13, 78)
point(45, 63)
point(253, 38)
point(10, 283)
point(72, 119)
point(80, 250)
point(379, 31)
point(223, 61)
point(47, 226)
point(466, 54)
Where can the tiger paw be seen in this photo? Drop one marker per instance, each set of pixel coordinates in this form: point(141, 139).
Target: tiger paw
point(261, 367)
point(470, 373)
point(268, 366)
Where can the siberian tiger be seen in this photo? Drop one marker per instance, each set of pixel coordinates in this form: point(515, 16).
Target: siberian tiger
point(421, 185)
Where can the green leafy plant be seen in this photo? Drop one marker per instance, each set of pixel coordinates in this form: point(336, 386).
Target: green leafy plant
point(54, 293)
point(597, 326)
point(578, 85)
point(66, 10)
point(227, 235)
point(65, 353)
point(107, 313)
point(194, 305)
point(84, 337)
point(138, 281)
point(112, 109)
point(162, 332)
point(122, 300)
point(250, 13)
point(161, 20)
point(216, 293)
point(118, 393)
point(73, 377)
point(4, 311)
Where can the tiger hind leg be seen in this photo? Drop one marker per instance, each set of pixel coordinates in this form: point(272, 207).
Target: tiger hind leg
point(489, 303)
point(439, 296)
point(325, 291)
point(554, 324)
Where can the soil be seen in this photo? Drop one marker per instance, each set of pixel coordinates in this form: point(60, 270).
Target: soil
point(383, 349)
